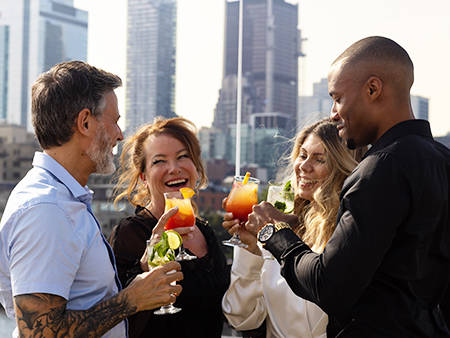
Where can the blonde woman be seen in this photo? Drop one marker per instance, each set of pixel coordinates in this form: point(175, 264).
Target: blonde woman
point(320, 163)
point(161, 157)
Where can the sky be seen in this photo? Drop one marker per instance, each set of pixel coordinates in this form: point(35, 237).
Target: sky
point(421, 27)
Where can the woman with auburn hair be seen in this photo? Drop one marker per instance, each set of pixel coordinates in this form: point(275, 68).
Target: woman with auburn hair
point(162, 157)
point(320, 162)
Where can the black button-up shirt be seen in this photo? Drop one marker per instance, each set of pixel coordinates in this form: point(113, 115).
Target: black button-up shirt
point(386, 267)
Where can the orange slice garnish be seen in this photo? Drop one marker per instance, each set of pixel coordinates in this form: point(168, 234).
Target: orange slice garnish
point(187, 192)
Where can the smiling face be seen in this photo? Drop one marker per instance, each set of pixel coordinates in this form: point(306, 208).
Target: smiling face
point(350, 109)
point(310, 167)
point(168, 167)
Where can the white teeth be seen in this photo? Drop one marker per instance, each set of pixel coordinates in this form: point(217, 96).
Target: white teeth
point(305, 181)
point(176, 182)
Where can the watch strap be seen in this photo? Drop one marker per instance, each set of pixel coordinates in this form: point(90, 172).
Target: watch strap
point(277, 227)
point(281, 242)
point(281, 225)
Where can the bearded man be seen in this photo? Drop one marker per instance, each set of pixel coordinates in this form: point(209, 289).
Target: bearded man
point(57, 272)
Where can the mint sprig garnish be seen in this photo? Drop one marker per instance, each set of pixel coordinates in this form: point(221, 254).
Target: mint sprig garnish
point(162, 246)
point(280, 205)
point(287, 194)
point(170, 255)
point(287, 186)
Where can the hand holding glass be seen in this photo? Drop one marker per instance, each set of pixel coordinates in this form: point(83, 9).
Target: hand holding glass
point(183, 218)
point(243, 196)
point(156, 257)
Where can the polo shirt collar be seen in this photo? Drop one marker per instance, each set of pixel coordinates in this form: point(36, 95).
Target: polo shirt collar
point(49, 164)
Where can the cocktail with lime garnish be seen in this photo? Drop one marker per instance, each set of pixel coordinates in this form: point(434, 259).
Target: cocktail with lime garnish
point(183, 218)
point(243, 196)
point(281, 197)
point(161, 253)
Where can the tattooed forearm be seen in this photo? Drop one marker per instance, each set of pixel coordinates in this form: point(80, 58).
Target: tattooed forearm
point(45, 315)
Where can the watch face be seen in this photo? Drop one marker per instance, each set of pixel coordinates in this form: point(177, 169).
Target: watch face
point(266, 233)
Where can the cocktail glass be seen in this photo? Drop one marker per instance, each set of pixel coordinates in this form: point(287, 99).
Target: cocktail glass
point(281, 196)
point(154, 260)
point(242, 197)
point(183, 218)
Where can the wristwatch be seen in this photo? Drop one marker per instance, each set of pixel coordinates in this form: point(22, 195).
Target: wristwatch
point(268, 230)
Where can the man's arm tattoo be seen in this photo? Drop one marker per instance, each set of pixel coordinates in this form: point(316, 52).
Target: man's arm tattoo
point(45, 315)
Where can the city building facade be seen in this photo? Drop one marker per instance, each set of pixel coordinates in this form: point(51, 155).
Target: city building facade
point(34, 36)
point(316, 106)
point(271, 47)
point(151, 61)
point(4, 60)
point(419, 106)
point(17, 147)
point(262, 151)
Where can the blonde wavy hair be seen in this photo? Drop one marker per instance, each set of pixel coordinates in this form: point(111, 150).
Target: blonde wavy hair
point(318, 217)
point(132, 159)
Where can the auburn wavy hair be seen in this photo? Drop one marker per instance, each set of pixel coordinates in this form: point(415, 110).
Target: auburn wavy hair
point(132, 159)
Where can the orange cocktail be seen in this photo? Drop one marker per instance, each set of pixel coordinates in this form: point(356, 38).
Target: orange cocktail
point(242, 197)
point(185, 215)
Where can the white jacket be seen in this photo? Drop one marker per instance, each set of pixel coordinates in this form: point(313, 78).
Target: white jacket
point(258, 291)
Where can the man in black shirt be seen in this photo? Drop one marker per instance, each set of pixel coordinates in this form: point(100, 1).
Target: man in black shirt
point(386, 268)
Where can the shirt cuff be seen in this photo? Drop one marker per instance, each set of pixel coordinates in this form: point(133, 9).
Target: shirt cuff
point(246, 264)
point(280, 242)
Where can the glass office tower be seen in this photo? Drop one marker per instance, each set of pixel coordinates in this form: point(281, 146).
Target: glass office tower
point(35, 35)
point(151, 60)
point(269, 64)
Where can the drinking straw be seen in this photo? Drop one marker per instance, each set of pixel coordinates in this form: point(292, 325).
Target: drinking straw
point(246, 177)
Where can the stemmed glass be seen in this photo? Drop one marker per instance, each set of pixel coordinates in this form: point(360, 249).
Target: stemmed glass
point(242, 197)
point(183, 218)
point(154, 260)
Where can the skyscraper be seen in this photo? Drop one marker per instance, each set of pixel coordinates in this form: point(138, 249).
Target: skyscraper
point(314, 107)
point(151, 56)
point(420, 107)
point(4, 58)
point(34, 36)
point(271, 47)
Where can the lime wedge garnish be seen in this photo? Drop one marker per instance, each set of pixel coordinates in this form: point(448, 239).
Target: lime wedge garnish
point(174, 239)
point(163, 251)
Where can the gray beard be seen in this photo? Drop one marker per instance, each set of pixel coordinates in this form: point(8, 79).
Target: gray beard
point(100, 155)
point(105, 165)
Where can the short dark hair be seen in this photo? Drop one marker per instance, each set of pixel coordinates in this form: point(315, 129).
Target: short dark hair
point(61, 93)
point(376, 48)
